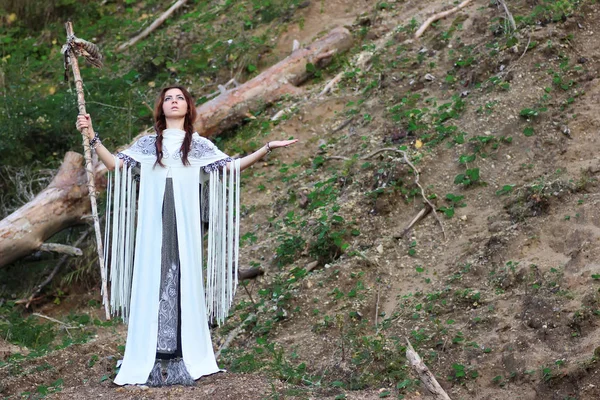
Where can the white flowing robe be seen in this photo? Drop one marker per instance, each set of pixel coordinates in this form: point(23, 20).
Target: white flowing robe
point(141, 310)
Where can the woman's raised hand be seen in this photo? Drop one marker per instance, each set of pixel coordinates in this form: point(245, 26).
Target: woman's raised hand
point(281, 143)
point(85, 121)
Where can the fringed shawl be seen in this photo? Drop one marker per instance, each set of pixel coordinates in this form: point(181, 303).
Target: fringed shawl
point(135, 270)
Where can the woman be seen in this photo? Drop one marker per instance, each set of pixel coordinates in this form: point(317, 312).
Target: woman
point(160, 291)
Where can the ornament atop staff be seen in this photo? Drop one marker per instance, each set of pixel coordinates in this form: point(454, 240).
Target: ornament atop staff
point(79, 47)
point(72, 49)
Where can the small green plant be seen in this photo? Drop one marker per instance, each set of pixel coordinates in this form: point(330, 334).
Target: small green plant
point(461, 373)
point(289, 247)
point(528, 131)
point(412, 248)
point(499, 380)
point(530, 113)
point(454, 201)
point(506, 189)
point(329, 235)
point(469, 178)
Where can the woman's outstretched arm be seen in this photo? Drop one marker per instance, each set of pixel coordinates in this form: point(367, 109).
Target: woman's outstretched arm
point(85, 121)
point(250, 159)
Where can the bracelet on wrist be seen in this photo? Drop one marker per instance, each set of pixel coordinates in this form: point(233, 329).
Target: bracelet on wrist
point(95, 141)
point(268, 148)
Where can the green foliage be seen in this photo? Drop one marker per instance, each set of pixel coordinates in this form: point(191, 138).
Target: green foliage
point(528, 131)
point(529, 113)
point(469, 178)
point(289, 247)
point(38, 111)
point(269, 358)
point(324, 193)
point(429, 123)
point(506, 189)
point(546, 11)
point(453, 201)
point(328, 238)
point(27, 331)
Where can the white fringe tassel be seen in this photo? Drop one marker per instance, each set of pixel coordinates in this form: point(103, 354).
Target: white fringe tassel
point(223, 241)
point(123, 204)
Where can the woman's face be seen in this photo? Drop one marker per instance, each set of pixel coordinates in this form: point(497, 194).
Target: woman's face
point(174, 104)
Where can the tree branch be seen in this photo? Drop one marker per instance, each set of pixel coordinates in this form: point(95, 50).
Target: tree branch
point(58, 266)
point(232, 335)
point(61, 249)
point(425, 374)
point(158, 22)
point(422, 214)
point(439, 16)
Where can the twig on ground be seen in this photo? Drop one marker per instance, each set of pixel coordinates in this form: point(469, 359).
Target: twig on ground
point(425, 375)
point(28, 301)
point(519, 59)
point(331, 84)
point(416, 171)
point(249, 294)
point(417, 175)
point(367, 156)
point(338, 158)
point(232, 335)
point(422, 214)
point(67, 326)
point(381, 151)
point(343, 125)
point(439, 16)
point(60, 263)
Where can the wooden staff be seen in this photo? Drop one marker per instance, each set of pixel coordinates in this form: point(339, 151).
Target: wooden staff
point(72, 49)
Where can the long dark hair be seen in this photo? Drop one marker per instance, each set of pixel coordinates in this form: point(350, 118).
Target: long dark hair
point(160, 124)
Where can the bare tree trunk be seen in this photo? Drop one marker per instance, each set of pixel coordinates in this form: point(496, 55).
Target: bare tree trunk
point(230, 108)
point(64, 203)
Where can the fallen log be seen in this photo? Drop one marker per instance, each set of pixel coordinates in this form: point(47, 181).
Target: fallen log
point(283, 78)
point(64, 202)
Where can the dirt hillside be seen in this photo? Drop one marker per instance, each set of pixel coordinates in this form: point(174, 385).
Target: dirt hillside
point(498, 290)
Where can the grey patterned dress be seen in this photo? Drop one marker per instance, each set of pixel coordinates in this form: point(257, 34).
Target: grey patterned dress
point(169, 337)
point(168, 343)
